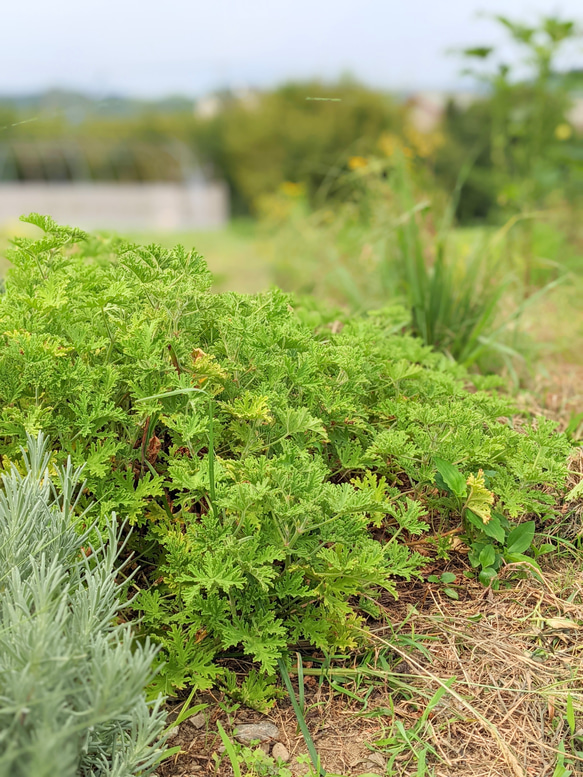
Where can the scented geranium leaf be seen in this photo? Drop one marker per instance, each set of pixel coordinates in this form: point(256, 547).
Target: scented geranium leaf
point(409, 514)
point(391, 444)
point(49, 226)
point(249, 407)
point(263, 638)
point(98, 456)
point(403, 370)
point(185, 474)
point(575, 493)
point(311, 626)
point(292, 586)
point(257, 560)
point(316, 438)
point(213, 573)
point(186, 659)
point(296, 420)
point(350, 454)
point(342, 573)
point(190, 425)
point(344, 499)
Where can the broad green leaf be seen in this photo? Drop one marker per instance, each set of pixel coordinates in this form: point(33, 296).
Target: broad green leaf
point(520, 558)
point(520, 538)
point(452, 477)
point(548, 547)
point(491, 529)
point(494, 529)
point(487, 556)
point(448, 577)
point(487, 575)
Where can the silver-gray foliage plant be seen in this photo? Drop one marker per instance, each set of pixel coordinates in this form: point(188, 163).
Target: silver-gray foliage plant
point(72, 680)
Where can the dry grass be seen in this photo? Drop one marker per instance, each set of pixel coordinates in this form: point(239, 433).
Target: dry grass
point(517, 656)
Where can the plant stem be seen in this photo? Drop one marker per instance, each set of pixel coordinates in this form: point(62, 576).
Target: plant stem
point(211, 457)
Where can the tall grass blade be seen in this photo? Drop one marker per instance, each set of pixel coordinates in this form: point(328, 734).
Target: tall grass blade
point(230, 750)
point(314, 757)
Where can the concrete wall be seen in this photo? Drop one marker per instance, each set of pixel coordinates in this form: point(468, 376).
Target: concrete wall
point(119, 206)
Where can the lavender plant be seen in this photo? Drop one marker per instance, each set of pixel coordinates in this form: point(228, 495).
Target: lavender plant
point(72, 679)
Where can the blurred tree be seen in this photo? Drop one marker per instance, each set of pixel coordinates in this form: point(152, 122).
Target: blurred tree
point(519, 138)
point(294, 134)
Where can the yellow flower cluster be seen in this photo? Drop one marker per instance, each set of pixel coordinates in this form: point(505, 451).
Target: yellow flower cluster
point(563, 131)
point(414, 144)
point(389, 143)
point(357, 162)
point(291, 189)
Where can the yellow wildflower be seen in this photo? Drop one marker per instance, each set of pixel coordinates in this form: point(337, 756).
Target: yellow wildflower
point(563, 131)
point(291, 189)
point(357, 162)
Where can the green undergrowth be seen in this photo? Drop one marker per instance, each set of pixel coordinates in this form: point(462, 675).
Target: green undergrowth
point(275, 469)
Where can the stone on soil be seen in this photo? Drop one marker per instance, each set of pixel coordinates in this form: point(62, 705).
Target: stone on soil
point(280, 752)
point(250, 732)
point(198, 721)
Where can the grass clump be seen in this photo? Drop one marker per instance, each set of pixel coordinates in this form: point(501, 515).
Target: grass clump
point(72, 679)
point(276, 471)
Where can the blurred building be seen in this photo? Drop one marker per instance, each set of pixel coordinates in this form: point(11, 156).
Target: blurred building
point(426, 109)
point(575, 115)
point(104, 185)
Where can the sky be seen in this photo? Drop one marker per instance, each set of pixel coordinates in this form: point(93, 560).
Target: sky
point(152, 48)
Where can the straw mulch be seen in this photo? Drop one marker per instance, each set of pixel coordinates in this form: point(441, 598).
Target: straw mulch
point(517, 656)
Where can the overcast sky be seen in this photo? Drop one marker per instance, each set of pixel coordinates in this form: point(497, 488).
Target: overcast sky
point(150, 48)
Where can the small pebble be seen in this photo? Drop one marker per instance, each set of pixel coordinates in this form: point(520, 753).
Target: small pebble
point(376, 758)
point(280, 752)
point(249, 732)
point(198, 721)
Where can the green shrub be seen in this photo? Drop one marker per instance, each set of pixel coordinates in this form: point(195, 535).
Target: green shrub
point(275, 469)
point(72, 699)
